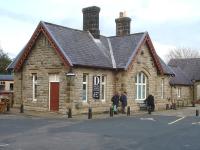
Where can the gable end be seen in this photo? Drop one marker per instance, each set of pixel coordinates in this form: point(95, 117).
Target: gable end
point(41, 29)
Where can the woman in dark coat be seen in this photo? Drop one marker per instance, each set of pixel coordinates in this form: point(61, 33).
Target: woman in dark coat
point(123, 100)
point(115, 101)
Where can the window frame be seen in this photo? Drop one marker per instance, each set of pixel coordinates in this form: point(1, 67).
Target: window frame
point(3, 84)
point(86, 86)
point(103, 86)
point(162, 88)
point(34, 86)
point(141, 87)
point(178, 92)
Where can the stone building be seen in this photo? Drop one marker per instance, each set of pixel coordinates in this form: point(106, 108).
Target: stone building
point(63, 68)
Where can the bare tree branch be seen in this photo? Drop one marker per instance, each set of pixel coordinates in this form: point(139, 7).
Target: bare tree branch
point(182, 53)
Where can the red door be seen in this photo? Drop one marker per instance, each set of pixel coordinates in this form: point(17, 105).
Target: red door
point(54, 96)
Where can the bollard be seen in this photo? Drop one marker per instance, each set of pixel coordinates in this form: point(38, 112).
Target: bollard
point(174, 106)
point(22, 108)
point(167, 106)
point(128, 111)
point(69, 113)
point(193, 104)
point(111, 112)
point(90, 113)
point(197, 112)
point(8, 107)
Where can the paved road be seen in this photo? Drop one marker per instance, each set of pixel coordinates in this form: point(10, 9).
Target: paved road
point(141, 132)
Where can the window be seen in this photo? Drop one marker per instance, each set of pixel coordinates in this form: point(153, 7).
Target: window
point(34, 77)
point(85, 88)
point(11, 86)
point(162, 88)
point(2, 85)
point(103, 88)
point(141, 86)
point(179, 92)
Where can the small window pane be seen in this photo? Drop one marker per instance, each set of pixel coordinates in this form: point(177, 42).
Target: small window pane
point(102, 96)
point(102, 78)
point(84, 78)
point(84, 91)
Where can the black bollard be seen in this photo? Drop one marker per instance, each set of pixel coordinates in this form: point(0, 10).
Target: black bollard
point(167, 106)
point(193, 104)
point(174, 106)
point(128, 111)
point(69, 113)
point(111, 112)
point(90, 113)
point(8, 107)
point(22, 108)
point(197, 112)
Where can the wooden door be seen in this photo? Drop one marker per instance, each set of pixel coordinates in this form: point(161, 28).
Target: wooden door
point(54, 96)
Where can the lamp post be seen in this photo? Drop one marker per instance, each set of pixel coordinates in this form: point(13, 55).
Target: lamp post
point(70, 75)
point(193, 99)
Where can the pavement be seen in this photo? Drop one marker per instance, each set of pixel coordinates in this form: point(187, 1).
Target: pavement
point(181, 112)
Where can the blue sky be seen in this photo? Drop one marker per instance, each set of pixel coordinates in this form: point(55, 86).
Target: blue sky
point(170, 23)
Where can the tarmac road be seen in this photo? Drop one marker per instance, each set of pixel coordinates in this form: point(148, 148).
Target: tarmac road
point(140, 132)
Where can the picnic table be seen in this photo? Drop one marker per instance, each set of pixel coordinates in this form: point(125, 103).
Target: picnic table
point(3, 104)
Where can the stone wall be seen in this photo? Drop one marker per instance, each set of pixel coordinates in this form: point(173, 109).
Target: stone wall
point(98, 105)
point(42, 61)
point(185, 95)
point(143, 63)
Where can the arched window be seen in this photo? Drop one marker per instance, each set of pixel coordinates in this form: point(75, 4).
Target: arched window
point(141, 86)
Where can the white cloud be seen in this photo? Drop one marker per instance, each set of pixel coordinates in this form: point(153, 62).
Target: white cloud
point(163, 49)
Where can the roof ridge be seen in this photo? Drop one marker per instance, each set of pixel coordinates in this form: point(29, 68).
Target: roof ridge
point(126, 35)
point(63, 26)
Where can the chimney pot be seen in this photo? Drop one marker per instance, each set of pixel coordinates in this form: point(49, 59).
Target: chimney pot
point(91, 20)
point(122, 24)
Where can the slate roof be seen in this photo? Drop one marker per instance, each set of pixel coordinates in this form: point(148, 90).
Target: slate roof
point(124, 47)
point(180, 77)
point(80, 48)
point(6, 77)
point(190, 66)
point(166, 69)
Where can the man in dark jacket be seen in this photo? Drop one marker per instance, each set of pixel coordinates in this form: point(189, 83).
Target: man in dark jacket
point(150, 102)
point(123, 100)
point(115, 101)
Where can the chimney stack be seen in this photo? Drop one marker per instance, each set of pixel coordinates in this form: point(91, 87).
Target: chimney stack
point(91, 20)
point(122, 24)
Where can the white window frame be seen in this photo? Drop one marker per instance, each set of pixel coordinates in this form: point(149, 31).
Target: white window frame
point(34, 84)
point(143, 97)
point(178, 92)
point(162, 88)
point(103, 84)
point(86, 85)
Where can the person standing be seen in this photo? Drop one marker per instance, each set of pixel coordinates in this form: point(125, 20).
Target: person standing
point(115, 101)
point(123, 100)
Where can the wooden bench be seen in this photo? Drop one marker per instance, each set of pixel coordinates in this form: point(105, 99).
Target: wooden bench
point(143, 106)
point(3, 107)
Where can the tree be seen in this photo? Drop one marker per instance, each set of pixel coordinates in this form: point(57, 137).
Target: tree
point(182, 53)
point(4, 61)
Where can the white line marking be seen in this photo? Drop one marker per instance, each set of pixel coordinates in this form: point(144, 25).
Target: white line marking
point(196, 123)
point(4, 145)
point(176, 120)
point(151, 119)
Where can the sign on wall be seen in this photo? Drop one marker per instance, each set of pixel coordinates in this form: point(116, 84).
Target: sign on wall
point(96, 87)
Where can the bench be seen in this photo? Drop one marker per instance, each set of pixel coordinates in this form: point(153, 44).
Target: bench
point(143, 106)
point(2, 107)
point(3, 104)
